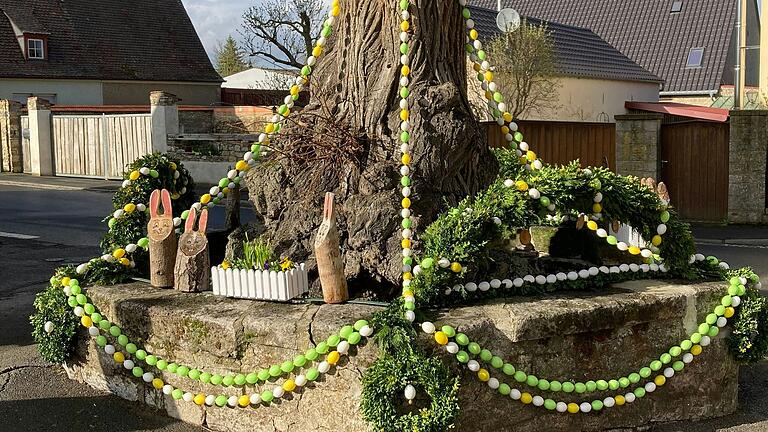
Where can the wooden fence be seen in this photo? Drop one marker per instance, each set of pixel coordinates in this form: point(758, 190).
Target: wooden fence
point(99, 145)
point(593, 144)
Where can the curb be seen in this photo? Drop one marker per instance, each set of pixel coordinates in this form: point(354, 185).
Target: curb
point(40, 186)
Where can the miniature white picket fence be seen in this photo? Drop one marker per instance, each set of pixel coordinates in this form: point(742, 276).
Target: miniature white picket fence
point(260, 284)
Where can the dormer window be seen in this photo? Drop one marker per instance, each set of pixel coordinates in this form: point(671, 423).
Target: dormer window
point(36, 49)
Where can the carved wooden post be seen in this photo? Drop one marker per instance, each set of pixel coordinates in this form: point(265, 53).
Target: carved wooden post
point(328, 256)
point(162, 240)
point(192, 261)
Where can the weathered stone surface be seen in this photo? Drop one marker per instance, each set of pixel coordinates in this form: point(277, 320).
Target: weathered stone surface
point(581, 336)
point(638, 144)
point(748, 150)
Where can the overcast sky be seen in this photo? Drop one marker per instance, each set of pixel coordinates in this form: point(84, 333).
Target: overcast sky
point(214, 20)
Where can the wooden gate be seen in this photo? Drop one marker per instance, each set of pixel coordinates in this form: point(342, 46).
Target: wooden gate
point(99, 145)
point(593, 144)
point(694, 157)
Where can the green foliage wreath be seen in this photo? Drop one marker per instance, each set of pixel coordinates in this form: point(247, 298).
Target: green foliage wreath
point(383, 385)
point(51, 306)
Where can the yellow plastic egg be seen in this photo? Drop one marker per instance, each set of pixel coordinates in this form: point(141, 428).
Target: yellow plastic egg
point(441, 338)
point(289, 385)
point(406, 243)
point(118, 357)
point(597, 208)
point(483, 375)
point(455, 267)
point(656, 240)
point(406, 203)
point(473, 34)
point(634, 250)
point(129, 208)
point(65, 281)
point(243, 401)
point(405, 25)
point(317, 51)
point(526, 398)
point(405, 70)
point(205, 199)
point(241, 165)
point(125, 261)
point(660, 380)
point(404, 115)
point(696, 350)
point(729, 311)
point(573, 408)
point(620, 400)
point(521, 185)
point(134, 175)
point(507, 117)
point(489, 76)
point(118, 253)
point(86, 321)
point(530, 155)
point(592, 225)
point(173, 166)
point(406, 159)
point(157, 383)
point(199, 399)
point(333, 357)
point(407, 276)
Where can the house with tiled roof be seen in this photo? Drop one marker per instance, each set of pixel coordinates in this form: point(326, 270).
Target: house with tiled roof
point(102, 52)
point(689, 44)
point(595, 79)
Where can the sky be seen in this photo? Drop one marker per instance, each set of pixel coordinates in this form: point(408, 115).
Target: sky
point(214, 20)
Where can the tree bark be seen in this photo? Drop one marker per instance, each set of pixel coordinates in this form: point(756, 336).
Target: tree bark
point(162, 253)
point(357, 82)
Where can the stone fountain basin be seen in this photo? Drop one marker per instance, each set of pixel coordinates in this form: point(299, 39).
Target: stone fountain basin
point(579, 336)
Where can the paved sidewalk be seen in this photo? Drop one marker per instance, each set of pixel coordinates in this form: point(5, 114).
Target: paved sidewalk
point(747, 235)
point(59, 183)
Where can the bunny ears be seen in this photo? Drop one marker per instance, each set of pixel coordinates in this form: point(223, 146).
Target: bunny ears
point(192, 218)
point(154, 204)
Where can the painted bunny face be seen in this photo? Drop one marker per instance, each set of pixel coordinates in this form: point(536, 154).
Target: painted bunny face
point(160, 224)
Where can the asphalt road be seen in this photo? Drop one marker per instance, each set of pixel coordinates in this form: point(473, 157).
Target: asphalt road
point(59, 227)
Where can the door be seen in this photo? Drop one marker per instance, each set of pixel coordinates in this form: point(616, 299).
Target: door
point(694, 158)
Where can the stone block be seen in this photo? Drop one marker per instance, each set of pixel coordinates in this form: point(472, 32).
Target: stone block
point(574, 336)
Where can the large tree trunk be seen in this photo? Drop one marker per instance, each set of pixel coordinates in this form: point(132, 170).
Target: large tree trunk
point(357, 82)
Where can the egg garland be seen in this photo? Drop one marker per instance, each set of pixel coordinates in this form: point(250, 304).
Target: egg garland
point(553, 278)
point(96, 324)
point(456, 344)
point(349, 335)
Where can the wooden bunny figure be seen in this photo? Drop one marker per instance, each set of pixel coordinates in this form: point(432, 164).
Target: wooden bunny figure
point(192, 261)
point(162, 240)
point(329, 264)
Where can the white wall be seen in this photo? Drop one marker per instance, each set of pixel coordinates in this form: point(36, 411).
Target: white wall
point(68, 92)
point(580, 99)
point(590, 100)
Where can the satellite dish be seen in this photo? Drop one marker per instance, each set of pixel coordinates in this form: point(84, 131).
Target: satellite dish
point(508, 20)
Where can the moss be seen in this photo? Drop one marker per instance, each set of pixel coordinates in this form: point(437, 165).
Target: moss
point(195, 330)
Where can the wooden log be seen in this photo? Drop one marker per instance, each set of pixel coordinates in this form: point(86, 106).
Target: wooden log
point(328, 256)
point(192, 260)
point(162, 240)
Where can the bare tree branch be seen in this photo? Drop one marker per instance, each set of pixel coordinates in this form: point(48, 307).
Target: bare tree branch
point(282, 32)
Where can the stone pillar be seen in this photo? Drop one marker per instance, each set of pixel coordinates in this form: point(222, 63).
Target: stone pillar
point(10, 136)
point(40, 144)
point(165, 119)
point(638, 145)
point(748, 150)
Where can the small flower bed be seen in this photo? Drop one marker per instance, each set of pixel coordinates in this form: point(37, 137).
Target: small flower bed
point(260, 274)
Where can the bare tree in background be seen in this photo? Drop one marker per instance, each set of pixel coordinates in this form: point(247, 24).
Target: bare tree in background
point(282, 32)
point(525, 69)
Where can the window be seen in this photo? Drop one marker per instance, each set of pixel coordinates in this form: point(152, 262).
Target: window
point(695, 55)
point(677, 6)
point(35, 49)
